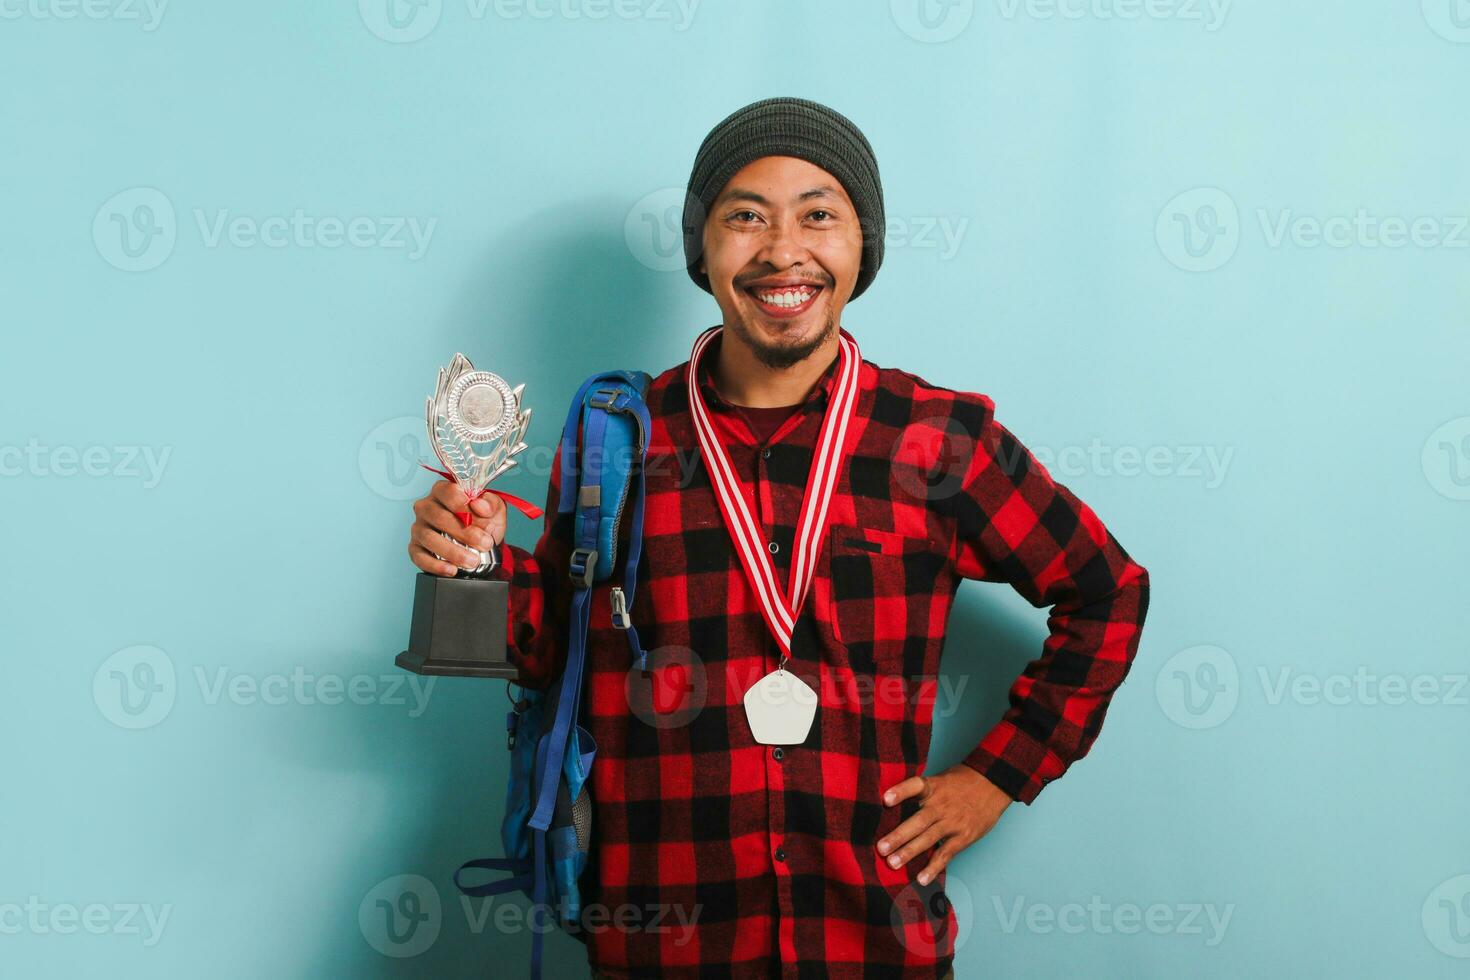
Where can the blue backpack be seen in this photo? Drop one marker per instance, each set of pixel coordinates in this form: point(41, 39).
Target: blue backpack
point(547, 828)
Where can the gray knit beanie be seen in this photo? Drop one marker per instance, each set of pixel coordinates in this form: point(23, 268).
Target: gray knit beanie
point(793, 128)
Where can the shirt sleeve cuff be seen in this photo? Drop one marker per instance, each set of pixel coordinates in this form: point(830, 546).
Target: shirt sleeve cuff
point(1014, 761)
point(510, 560)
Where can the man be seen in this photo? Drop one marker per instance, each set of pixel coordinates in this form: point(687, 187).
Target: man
point(809, 515)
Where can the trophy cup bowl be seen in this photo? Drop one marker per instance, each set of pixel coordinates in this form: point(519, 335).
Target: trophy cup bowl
point(476, 427)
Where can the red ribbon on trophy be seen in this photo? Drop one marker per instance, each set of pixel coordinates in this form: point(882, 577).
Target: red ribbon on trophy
point(524, 506)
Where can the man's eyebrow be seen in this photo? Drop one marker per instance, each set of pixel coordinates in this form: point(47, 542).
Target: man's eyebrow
point(742, 194)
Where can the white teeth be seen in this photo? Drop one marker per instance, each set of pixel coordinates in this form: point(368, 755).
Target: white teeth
point(787, 297)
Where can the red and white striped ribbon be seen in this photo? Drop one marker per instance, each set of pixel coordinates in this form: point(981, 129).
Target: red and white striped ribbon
point(780, 608)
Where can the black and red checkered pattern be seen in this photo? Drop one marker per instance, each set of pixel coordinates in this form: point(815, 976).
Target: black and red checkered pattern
point(715, 856)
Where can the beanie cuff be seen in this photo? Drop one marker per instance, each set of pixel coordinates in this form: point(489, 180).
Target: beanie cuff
point(786, 127)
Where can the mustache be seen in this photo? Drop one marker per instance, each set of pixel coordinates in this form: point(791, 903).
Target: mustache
point(747, 282)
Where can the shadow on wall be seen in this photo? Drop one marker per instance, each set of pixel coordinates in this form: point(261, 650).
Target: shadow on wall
point(988, 643)
point(578, 304)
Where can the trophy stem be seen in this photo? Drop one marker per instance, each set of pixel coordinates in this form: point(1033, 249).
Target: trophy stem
point(489, 561)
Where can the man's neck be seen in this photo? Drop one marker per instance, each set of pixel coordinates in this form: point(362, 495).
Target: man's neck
point(742, 379)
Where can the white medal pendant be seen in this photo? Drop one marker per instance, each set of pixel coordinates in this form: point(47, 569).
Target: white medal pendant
point(780, 708)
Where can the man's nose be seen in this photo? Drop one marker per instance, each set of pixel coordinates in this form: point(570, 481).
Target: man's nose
point(784, 245)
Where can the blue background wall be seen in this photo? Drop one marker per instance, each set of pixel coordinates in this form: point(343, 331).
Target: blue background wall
point(1104, 222)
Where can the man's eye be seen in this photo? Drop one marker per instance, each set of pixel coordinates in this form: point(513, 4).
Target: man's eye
point(742, 215)
point(819, 214)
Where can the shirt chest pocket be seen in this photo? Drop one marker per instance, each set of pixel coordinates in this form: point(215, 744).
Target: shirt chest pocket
point(882, 596)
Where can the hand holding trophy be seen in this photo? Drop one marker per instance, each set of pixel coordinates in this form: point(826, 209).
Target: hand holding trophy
point(476, 427)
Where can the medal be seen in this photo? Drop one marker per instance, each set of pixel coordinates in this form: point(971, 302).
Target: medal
point(780, 707)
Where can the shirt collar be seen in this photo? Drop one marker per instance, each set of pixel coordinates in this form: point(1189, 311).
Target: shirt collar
point(816, 399)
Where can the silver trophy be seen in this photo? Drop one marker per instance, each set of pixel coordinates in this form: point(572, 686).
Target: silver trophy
point(476, 427)
point(469, 411)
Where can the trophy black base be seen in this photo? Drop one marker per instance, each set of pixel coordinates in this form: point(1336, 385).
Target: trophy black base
point(458, 628)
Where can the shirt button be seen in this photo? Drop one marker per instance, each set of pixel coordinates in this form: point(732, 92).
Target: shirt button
point(774, 547)
point(780, 854)
point(766, 453)
point(778, 754)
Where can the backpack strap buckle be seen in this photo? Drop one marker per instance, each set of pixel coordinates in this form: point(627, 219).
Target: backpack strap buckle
point(610, 399)
point(582, 567)
point(620, 618)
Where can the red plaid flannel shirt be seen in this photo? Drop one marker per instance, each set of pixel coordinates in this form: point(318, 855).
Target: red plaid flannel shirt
point(716, 856)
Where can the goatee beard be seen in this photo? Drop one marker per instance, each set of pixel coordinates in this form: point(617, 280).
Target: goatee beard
point(778, 357)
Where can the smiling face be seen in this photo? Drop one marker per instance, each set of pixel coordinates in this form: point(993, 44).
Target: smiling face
point(782, 249)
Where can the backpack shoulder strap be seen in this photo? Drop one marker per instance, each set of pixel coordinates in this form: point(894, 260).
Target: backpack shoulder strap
point(602, 481)
point(610, 412)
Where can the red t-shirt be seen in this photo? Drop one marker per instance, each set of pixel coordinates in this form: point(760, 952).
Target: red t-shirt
point(765, 421)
